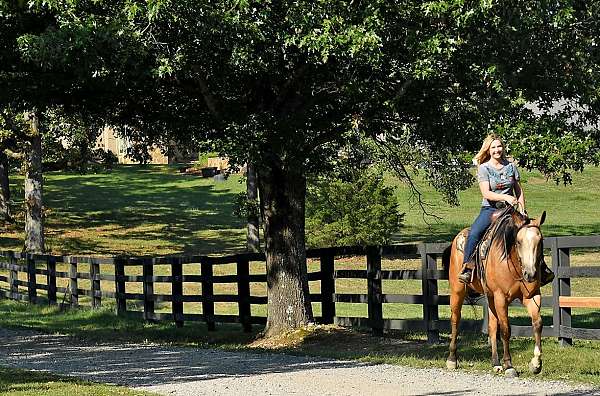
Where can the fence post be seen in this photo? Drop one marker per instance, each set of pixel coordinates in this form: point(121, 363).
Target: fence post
point(31, 280)
point(327, 288)
point(120, 286)
point(555, 287)
point(243, 275)
point(375, 307)
point(95, 283)
point(177, 291)
point(430, 291)
point(564, 289)
point(208, 305)
point(73, 282)
point(51, 279)
point(148, 286)
point(13, 277)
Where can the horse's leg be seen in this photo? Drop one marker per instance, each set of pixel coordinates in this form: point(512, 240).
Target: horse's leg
point(492, 333)
point(533, 307)
point(457, 297)
point(501, 306)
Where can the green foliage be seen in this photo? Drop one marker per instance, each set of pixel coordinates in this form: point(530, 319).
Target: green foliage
point(244, 207)
point(69, 140)
point(363, 211)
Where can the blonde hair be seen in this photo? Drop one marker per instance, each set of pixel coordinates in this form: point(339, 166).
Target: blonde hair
point(484, 153)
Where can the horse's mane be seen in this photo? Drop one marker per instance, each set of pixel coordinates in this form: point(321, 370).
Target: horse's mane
point(504, 230)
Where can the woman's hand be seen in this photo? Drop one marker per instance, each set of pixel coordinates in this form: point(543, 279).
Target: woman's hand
point(510, 199)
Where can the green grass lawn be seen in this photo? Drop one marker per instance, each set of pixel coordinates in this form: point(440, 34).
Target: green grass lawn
point(135, 210)
point(155, 210)
point(34, 383)
point(571, 209)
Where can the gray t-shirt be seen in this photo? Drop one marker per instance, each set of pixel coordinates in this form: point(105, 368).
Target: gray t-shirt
point(502, 181)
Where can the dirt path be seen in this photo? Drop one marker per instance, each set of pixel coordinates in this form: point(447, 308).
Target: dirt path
point(192, 371)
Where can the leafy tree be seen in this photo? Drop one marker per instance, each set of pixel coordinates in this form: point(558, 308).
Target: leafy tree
point(285, 85)
point(363, 212)
point(54, 73)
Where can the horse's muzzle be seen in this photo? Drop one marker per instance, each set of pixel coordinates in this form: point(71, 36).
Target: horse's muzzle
point(529, 277)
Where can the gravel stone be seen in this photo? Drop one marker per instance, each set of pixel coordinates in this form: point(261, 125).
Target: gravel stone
point(184, 371)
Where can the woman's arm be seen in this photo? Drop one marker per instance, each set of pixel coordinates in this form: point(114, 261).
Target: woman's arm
point(520, 195)
point(484, 187)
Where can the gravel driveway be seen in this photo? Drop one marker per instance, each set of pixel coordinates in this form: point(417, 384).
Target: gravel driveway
point(193, 371)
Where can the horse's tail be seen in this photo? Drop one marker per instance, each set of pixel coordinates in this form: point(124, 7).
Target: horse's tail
point(446, 258)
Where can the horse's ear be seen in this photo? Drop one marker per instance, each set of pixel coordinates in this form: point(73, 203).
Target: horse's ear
point(541, 219)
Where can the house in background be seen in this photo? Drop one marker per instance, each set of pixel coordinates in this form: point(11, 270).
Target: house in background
point(109, 141)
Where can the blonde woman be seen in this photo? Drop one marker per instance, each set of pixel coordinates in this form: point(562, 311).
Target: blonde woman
point(499, 185)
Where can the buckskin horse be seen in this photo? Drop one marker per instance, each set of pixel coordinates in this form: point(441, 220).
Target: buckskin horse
point(511, 270)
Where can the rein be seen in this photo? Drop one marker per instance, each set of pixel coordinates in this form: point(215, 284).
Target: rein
point(506, 215)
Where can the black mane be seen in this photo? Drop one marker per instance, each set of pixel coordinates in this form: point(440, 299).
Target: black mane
point(504, 230)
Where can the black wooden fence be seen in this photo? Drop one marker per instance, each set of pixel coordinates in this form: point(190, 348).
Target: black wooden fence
point(38, 267)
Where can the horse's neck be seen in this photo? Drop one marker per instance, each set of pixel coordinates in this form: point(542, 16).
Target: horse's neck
point(518, 219)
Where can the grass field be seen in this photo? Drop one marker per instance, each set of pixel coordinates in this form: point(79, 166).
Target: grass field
point(135, 210)
point(33, 383)
point(155, 210)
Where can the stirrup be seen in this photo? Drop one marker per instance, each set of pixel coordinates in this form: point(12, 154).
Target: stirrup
point(466, 276)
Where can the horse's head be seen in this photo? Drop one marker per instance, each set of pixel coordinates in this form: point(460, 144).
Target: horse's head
point(529, 247)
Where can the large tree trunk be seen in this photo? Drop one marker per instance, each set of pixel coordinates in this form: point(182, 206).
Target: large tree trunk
point(5, 212)
point(282, 197)
point(34, 214)
point(252, 237)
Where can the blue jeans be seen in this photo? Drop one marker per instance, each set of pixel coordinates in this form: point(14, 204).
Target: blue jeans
point(480, 225)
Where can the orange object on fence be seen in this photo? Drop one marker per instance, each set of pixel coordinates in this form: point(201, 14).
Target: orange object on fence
point(579, 302)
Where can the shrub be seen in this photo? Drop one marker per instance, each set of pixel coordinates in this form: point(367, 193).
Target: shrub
point(363, 211)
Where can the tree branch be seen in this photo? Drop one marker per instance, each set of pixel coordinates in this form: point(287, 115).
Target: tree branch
point(208, 97)
point(397, 165)
point(13, 154)
point(289, 83)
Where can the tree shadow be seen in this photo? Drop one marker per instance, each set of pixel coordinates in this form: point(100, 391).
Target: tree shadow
point(137, 210)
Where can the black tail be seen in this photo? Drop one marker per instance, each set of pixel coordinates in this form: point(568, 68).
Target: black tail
point(446, 258)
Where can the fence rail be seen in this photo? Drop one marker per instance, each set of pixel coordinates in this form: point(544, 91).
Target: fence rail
point(24, 274)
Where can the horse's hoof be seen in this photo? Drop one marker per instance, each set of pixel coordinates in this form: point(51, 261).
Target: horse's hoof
point(511, 373)
point(498, 369)
point(535, 367)
point(451, 365)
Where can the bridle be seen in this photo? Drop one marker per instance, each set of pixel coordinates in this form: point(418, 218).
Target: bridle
point(539, 258)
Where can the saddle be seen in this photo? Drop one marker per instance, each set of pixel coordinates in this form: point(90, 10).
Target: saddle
point(480, 254)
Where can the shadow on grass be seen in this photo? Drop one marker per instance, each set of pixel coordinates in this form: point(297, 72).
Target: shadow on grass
point(102, 324)
point(121, 211)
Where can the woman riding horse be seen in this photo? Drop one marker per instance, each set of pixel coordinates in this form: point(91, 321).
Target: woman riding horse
point(513, 267)
point(510, 270)
point(499, 185)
